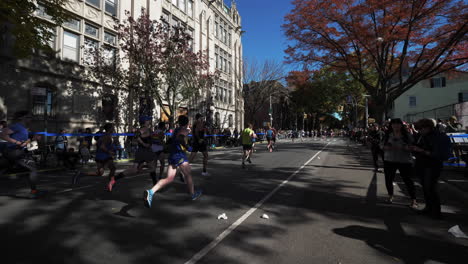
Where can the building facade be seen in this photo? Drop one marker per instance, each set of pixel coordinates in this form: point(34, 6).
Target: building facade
point(50, 85)
point(432, 98)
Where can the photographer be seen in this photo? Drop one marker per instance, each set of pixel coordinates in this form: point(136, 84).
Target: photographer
point(17, 138)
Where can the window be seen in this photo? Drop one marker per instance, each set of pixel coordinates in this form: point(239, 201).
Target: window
point(174, 22)
point(90, 48)
point(109, 55)
point(91, 31)
point(165, 20)
point(109, 104)
point(230, 97)
point(182, 5)
point(412, 101)
point(438, 82)
point(73, 24)
point(111, 7)
point(96, 3)
point(216, 29)
point(41, 12)
point(70, 48)
point(229, 39)
point(82, 104)
point(190, 8)
point(231, 121)
point(42, 102)
point(109, 38)
point(462, 97)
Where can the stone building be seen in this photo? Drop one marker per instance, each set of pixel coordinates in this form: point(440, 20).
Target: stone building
point(51, 85)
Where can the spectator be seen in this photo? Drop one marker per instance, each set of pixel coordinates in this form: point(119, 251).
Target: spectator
point(89, 139)
point(375, 138)
point(453, 126)
point(430, 150)
point(3, 124)
point(441, 126)
point(117, 147)
point(397, 156)
point(61, 146)
point(83, 148)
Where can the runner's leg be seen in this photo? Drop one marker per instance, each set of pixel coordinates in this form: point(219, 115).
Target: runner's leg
point(205, 161)
point(187, 170)
point(171, 173)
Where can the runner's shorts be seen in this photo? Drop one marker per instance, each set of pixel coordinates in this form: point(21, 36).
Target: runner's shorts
point(178, 158)
point(144, 155)
point(199, 146)
point(247, 147)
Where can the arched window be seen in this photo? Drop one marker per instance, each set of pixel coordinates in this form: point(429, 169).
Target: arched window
point(231, 121)
point(217, 119)
point(109, 106)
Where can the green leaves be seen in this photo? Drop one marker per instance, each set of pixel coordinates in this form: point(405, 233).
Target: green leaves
point(25, 32)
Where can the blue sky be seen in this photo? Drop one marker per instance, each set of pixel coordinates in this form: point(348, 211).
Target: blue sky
point(262, 19)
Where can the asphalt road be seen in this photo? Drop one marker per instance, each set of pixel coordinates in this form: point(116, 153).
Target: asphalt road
point(325, 205)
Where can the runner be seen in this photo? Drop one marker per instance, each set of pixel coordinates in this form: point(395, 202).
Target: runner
point(269, 136)
point(177, 159)
point(275, 133)
point(17, 138)
point(199, 143)
point(143, 153)
point(247, 136)
point(104, 157)
point(158, 147)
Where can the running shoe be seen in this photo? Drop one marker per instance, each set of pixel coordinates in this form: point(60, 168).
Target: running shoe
point(243, 165)
point(76, 177)
point(148, 197)
point(35, 194)
point(196, 195)
point(249, 160)
point(205, 173)
point(111, 184)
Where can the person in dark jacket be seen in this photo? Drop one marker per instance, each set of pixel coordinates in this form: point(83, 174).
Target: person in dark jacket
point(376, 136)
point(430, 150)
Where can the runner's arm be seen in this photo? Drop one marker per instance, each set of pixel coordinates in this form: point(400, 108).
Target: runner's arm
point(5, 135)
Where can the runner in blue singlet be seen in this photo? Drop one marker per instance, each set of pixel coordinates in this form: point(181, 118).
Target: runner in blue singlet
point(177, 159)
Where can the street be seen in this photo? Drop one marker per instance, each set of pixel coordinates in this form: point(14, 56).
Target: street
point(324, 202)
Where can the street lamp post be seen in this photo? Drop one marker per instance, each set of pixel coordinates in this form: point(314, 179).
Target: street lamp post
point(271, 113)
point(367, 110)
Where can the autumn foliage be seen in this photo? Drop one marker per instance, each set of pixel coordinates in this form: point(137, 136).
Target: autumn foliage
point(401, 41)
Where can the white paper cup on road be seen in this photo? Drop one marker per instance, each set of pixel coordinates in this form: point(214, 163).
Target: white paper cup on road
point(222, 216)
point(265, 216)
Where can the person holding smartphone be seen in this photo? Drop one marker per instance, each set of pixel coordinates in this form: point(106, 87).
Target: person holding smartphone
point(397, 156)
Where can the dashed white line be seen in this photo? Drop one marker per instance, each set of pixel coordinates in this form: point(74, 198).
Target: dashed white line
point(198, 256)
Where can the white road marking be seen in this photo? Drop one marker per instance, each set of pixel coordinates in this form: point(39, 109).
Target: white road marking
point(198, 256)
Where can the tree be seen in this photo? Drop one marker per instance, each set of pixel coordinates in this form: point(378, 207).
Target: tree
point(260, 82)
point(321, 93)
point(22, 32)
point(163, 63)
point(403, 41)
point(104, 65)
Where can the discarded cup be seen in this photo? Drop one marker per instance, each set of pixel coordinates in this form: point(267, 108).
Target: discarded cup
point(457, 232)
point(222, 216)
point(265, 216)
